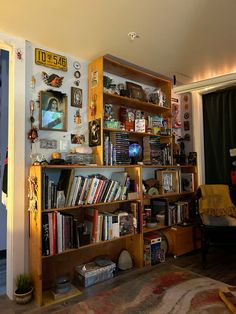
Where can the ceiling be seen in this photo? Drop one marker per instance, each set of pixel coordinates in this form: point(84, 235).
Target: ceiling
point(191, 39)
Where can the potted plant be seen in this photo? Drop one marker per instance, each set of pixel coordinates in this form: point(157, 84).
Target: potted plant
point(24, 289)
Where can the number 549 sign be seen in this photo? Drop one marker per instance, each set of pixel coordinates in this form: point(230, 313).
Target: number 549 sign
point(50, 59)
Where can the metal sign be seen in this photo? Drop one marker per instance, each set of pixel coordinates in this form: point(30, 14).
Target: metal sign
point(50, 59)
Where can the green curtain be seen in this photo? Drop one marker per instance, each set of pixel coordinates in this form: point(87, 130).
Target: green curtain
point(219, 121)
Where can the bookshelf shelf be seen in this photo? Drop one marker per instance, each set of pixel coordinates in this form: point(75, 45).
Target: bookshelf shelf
point(84, 247)
point(133, 103)
point(158, 227)
point(166, 195)
point(138, 134)
point(87, 205)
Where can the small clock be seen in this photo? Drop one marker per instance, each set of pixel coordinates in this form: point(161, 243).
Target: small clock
point(152, 191)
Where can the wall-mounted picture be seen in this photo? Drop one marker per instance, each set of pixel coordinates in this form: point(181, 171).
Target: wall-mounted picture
point(95, 132)
point(53, 80)
point(53, 111)
point(77, 139)
point(76, 97)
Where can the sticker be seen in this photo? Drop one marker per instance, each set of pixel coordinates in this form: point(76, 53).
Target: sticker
point(94, 79)
point(186, 115)
point(185, 97)
point(53, 80)
point(77, 139)
point(48, 144)
point(77, 65)
point(186, 125)
point(77, 74)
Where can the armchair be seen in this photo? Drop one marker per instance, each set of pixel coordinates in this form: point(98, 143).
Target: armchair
point(217, 215)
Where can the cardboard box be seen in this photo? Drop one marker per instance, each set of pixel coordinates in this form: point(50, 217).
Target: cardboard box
point(152, 246)
point(89, 274)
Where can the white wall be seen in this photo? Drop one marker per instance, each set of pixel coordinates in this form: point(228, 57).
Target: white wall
point(68, 82)
point(20, 93)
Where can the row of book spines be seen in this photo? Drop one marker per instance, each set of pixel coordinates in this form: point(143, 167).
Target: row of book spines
point(58, 233)
point(95, 190)
point(106, 226)
point(85, 190)
point(113, 155)
point(177, 213)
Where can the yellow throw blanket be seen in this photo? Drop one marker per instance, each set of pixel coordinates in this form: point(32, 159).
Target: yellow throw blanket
point(215, 200)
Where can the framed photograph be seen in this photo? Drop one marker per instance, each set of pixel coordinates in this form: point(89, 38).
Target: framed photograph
point(136, 91)
point(53, 111)
point(168, 180)
point(76, 97)
point(95, 132)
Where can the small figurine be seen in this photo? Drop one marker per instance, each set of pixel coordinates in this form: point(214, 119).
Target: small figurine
point(77, 117)
point(33, 134)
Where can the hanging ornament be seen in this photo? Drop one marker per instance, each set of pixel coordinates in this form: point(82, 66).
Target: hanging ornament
point(93, 106)
point(33, 134)
point(77, 117)
point(53, 80)
point(77, 82)
point(33, 82)
point(32, 104)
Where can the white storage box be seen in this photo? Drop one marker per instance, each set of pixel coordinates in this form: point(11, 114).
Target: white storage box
point(90, 273)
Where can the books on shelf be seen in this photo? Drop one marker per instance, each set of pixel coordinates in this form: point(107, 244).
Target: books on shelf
point(91, 223)
point(45, 235)
point(83, 190)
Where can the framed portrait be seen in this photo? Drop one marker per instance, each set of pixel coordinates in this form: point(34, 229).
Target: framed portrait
point(76, 97)
point(95, 132)
point(53, 111)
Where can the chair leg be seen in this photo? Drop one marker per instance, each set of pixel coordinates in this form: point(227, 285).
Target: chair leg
point(204, 249)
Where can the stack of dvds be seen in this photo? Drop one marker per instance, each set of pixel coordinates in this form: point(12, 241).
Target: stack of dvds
point(146, 150)
point(120, 144)
point(155, 150)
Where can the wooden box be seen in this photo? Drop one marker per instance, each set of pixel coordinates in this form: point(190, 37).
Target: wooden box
point(168, 180)
point(184, 239)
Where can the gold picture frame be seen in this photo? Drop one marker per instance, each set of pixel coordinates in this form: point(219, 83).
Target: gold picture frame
point(53, 111)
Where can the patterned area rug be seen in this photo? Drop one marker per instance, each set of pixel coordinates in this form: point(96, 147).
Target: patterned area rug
point(162, 290)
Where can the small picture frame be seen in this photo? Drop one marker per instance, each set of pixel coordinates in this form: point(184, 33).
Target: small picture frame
point(53, 111)
point(95, 132)
point(76, 97)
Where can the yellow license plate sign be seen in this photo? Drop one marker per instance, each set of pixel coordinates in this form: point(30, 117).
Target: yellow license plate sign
point(50, 59)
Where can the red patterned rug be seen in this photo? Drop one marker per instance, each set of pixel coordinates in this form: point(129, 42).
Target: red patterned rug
point(164, 289)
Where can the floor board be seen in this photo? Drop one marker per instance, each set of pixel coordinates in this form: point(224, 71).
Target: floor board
point(221, 266)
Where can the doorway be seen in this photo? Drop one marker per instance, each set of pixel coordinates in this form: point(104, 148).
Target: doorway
point(4, 88)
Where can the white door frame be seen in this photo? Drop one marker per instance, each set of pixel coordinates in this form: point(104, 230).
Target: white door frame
point(17, 245)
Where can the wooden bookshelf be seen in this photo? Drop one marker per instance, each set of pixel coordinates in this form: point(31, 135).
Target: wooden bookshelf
point(45, 269)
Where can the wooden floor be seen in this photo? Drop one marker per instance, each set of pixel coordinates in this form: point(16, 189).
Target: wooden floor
point(221, 266)
point(2, 276)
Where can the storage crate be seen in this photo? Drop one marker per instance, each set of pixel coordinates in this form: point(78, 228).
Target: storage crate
point(89, 274)
point(168, 180)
